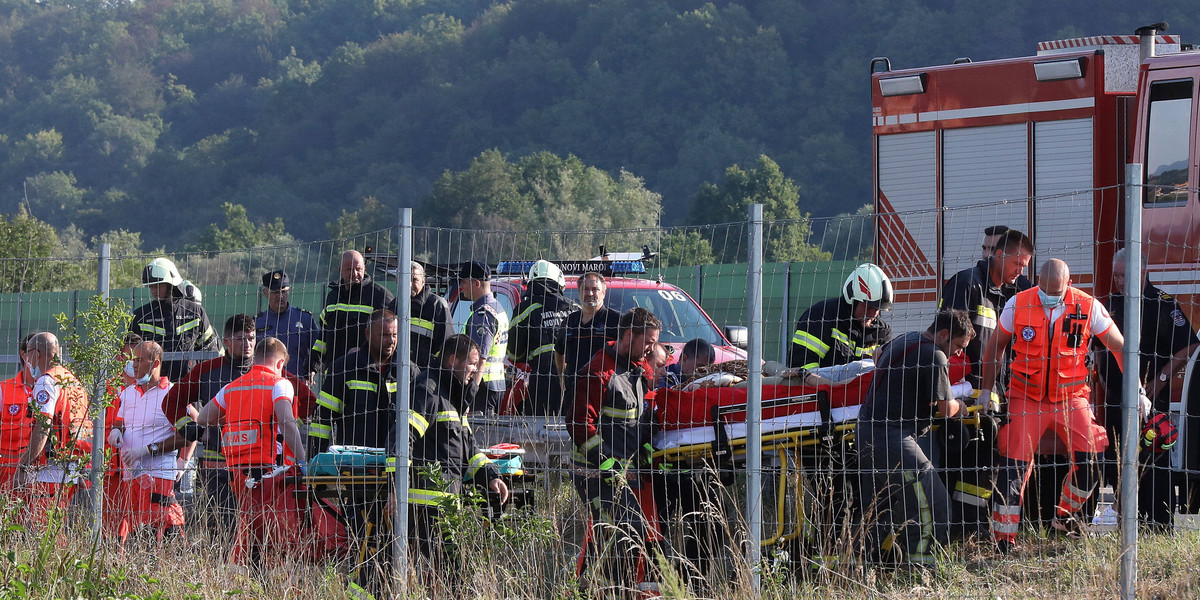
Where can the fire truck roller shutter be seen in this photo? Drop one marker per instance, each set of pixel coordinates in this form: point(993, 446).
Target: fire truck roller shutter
point(907, 179)
point(1063, 223)
point(981, 167)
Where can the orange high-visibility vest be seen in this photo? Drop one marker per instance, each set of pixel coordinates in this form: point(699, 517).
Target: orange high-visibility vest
point(248, 436)
point(16, 417)
point(1049, 359)
point(71, 426)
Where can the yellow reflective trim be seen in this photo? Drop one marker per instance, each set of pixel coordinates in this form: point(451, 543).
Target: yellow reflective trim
point(448, 415)
point(477, 462)
point(973, 490)
point(361, 385)
point(320, 346)
point(525, 314)
point(839, 336)
point(148, 328)
point(810, 341)
point(190, 325)
point(329, 401)
point(184, 420)
point(353, 308)
point(318, 430)
point(391, 387)
point(619, 413)
point(419, 423)
point(431, 497)
point(422, 323)
point(985, 312)
point(207, 454)
point(591, 443)
point(540, 350)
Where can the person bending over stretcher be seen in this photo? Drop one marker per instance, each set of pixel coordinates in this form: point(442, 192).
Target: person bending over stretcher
point(836, 338)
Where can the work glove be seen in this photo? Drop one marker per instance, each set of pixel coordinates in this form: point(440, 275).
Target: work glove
point(1144, 404)
point(115, 437)
point(132, 454)
point(989, 400)
point(180, 467)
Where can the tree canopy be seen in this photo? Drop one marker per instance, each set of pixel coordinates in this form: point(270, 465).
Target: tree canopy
point(150, 116)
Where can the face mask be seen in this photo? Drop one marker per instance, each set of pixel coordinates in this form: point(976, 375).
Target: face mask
point(1049, 301)
point(144, 379)
point(129, 369)
point(34, 371)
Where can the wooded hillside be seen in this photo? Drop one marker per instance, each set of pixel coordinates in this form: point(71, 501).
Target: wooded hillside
point(150, 116)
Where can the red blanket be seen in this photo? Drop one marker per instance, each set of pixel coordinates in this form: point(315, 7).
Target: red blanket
point(683, 410)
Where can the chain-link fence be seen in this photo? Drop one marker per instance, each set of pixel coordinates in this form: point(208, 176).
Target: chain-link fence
point(601, 424)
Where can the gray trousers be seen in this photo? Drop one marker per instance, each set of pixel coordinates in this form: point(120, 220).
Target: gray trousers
point(905, 503)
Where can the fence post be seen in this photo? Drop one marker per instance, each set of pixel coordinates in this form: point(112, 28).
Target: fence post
point(785, 336)
point(1129, 399)
point(98, 464)
point(754, 399)
point(403, 387)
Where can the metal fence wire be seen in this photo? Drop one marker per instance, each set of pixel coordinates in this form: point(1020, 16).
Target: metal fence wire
point(713, 411)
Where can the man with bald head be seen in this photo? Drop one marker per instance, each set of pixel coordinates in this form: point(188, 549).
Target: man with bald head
point(1050, 327)
point(61, 439)
point(348, 306)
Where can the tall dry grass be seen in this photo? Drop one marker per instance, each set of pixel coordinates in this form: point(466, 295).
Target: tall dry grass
point(531, 554)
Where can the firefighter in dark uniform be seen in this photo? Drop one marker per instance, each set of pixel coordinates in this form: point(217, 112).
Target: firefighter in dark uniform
point(348, 306)
point(176, 323)
point(611, 424)
point(981, 291)
point(430, 320)
point(356, 407)
point(837, 331)
point(902, 495)
point(488, 328)
point(1167, 340)
point(293, 326)
point(539, 319)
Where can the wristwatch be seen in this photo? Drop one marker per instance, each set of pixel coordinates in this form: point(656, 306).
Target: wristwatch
point(153, 448)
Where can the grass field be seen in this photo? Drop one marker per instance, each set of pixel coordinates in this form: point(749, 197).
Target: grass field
point(532, 556)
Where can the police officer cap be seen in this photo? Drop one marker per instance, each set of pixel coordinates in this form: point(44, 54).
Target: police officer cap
point(475, 270)
point(276, 280)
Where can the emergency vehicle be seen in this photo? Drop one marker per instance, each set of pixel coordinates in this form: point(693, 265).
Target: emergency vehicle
point(1040, 143)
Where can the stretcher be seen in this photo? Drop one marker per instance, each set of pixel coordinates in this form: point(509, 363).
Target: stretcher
point(808, 431)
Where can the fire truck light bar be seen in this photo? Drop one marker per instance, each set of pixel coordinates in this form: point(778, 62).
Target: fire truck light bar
point(575, 267)
point(902, 86)
point(1058, 70)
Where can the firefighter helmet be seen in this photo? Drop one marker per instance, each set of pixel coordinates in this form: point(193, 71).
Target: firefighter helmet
point(867, 283)
point(161, 270)
point(191, 292)
point(544, 269)
point(1159, 433)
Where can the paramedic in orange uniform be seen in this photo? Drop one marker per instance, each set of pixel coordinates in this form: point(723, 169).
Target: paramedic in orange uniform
point(61, 439)
point(1057, 321)
point(16, 420)
point(252, 412)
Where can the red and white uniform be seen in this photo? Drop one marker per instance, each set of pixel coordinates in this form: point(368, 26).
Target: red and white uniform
point(268, 510)
point(1049, 389)
point(148, 483)
point(16, 426)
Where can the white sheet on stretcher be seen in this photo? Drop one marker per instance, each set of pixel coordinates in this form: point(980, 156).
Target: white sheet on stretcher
point(702, 435)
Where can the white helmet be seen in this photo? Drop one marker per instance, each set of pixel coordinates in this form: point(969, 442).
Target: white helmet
point(191, 292)
point(544, 269)
point(161, 270)
point(867, 283)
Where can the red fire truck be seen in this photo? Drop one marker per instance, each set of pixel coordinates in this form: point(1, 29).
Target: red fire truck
point(1040, 143)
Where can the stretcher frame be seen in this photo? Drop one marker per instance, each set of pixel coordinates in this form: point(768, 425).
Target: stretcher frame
point(831, 437)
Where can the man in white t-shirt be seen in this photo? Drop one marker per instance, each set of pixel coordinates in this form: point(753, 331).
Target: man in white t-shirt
point(149, 448)
point(1050, 327)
